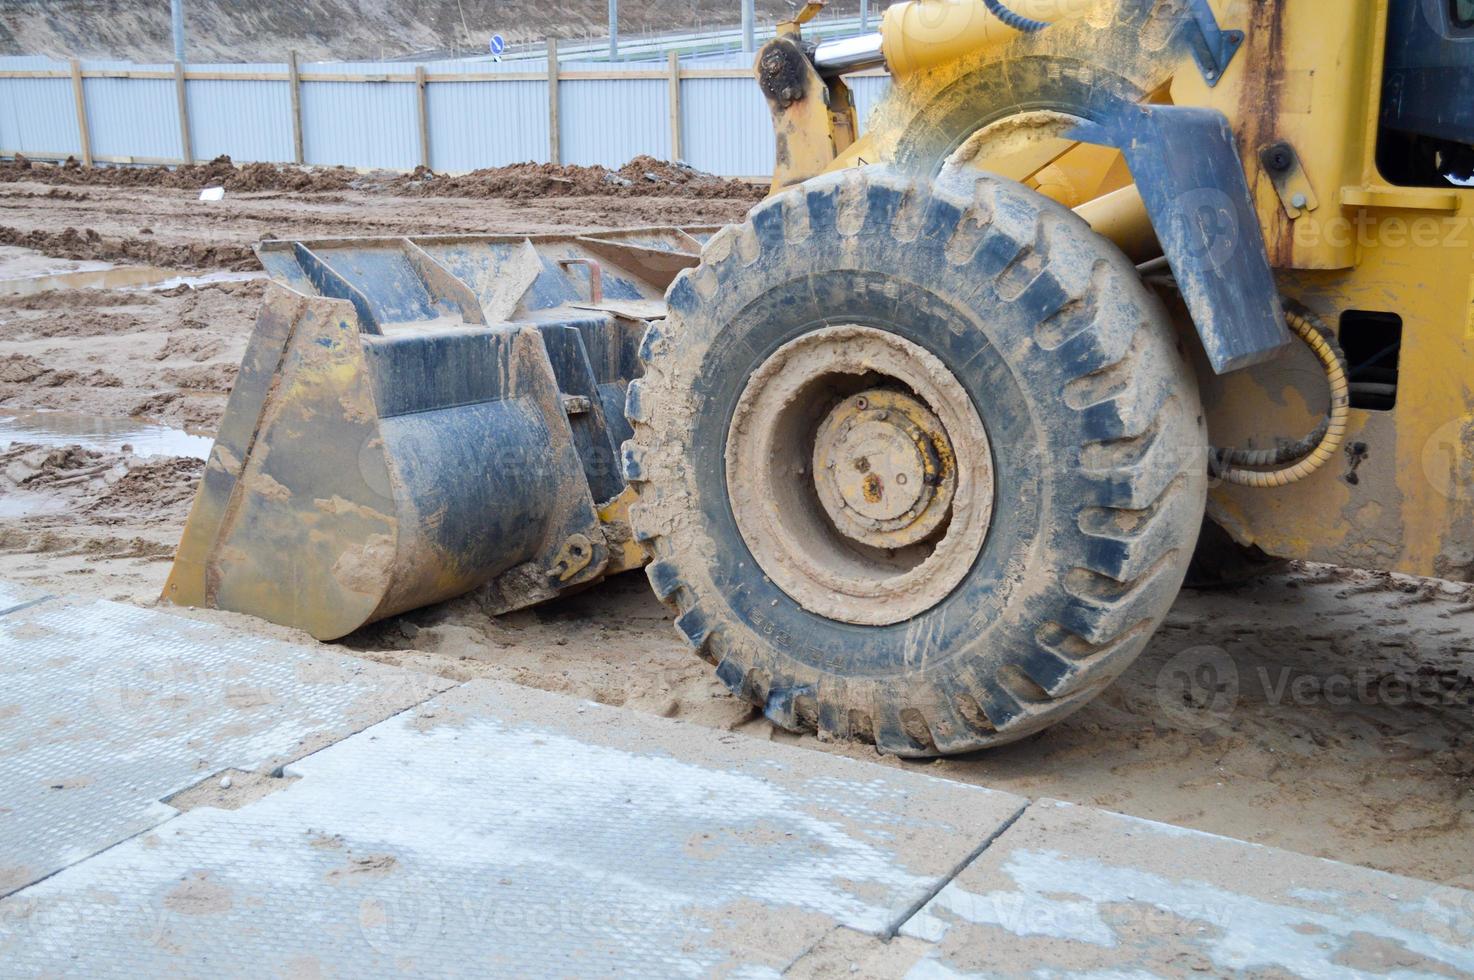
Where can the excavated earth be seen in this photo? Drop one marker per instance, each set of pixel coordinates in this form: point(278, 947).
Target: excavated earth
point(1340, 723)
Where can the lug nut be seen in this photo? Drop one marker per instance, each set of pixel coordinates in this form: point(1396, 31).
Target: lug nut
point(901, 479)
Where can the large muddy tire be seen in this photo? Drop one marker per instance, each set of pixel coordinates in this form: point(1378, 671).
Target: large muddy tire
point(915, 468)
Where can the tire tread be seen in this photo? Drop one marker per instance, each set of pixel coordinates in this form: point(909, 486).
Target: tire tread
point(1128, 539)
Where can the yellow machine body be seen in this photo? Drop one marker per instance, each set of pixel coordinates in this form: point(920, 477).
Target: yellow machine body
point(422, 417)
point(1342, 239)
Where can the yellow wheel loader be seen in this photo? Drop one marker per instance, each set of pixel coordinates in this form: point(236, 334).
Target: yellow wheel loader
point(920, 451)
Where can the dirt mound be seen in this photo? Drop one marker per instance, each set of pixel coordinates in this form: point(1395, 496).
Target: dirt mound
point(167, 355)
point(23, 369)
point(161, 487)
point(29, 467)
point(643, 176)
point(68, 299)
point(158, 487)
point(87, 244)
point(203, 377)
point(227, 306)
point(191, 348)
point(205, 292)
point(55, 194)
point(80, 322)
point(219, 172)
point(174, 408)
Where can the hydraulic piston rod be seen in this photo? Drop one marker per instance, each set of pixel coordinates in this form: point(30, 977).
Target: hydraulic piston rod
point(847, 54)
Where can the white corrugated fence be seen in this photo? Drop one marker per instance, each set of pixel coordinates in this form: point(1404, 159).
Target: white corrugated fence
point(453, 116)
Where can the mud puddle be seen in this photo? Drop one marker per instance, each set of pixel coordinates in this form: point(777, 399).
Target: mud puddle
point(17, 264)
point(195, 282)
point(99, 432)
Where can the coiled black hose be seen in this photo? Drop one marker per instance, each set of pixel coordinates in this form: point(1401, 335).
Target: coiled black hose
point(1017, 21)
point(1304, 457)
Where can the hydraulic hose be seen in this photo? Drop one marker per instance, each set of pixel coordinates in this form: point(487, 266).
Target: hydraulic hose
point(1017, 21)
point(1315, 450)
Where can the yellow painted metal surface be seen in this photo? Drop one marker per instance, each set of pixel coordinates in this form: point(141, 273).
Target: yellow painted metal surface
point(1401, 495)
point(923, 34)
point(625, 553)
point(1121, 216)
point(251, 544)
point(813, 120)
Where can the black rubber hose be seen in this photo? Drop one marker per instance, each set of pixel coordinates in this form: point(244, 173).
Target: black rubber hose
point(1289, 452)
point(1332, 430)
point(1018, 22)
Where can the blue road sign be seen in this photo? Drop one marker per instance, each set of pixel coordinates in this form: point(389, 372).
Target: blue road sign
point(498, 44)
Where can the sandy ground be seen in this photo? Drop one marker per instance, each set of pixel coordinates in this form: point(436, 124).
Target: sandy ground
point(1320, 709)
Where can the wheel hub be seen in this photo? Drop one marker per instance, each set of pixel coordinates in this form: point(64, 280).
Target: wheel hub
point(859, 474)
point(883, 469)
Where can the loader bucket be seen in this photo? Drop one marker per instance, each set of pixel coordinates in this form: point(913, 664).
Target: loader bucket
point(416, 418)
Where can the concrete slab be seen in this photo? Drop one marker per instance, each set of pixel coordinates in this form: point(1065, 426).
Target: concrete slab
point(499, 830)
point(106, 710)
point(16, 597)
point(1069, 889)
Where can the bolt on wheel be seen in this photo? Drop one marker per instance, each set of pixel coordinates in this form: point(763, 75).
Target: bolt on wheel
point(884, 469)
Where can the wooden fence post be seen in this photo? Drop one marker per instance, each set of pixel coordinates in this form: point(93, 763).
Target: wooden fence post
point(555, 152)
point(186, 148)
point(424, 110)
point(674, 98)
point(294, 79)
point(81, 102)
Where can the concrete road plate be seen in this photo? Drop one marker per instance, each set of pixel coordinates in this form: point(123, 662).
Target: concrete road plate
point(13, 597)
point(107, 709)
point(1070, 889)
point(501, 830)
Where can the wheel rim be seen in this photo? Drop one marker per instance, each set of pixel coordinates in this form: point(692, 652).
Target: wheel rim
point(860, 475)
